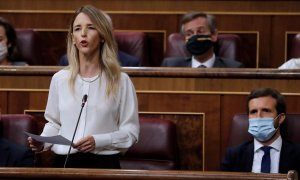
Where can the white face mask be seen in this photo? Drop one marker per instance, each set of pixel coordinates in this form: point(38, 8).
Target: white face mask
point(3, 51)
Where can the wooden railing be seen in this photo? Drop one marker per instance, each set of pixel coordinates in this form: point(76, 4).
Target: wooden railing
point(55, 173)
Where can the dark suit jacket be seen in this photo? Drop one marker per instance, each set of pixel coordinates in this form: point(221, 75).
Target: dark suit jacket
point(125, 60)
point(187, 62)
point(12, 155)
point(240, 158)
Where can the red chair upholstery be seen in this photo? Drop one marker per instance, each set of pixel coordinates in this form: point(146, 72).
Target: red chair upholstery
point(133, 43)
point(157, 148)
point(13, 126)
point(34, 46)
point(295, 47)
point(239, 129)
point(25, 42)
point(227, 46)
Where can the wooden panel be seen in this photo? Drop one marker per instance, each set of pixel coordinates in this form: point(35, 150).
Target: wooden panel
point(249, 50)
point(3, 102)
point(251, 23)
point(189, 97)
point(293, 105)
point(42, 82)
point(165, 103)
point(37, 100)
point(17, 102)
point(278, 34)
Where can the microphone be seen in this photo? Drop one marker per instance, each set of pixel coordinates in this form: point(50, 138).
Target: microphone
point(84, 99)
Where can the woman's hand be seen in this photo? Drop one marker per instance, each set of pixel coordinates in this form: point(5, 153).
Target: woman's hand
point(35, 145)
point(86, 144)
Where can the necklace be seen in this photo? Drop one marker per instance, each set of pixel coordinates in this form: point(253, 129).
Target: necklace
point(91, 79)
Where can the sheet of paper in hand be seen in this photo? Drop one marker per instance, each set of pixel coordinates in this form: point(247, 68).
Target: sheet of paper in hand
point(52, 139)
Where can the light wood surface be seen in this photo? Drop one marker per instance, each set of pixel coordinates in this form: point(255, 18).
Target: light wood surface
point(55, 173)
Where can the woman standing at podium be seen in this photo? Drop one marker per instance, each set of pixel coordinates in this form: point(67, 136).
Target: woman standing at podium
point(109, 123)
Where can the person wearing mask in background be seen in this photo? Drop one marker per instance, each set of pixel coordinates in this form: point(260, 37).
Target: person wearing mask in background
point(200, 32)
point(109, 122)
point(269, 151)
point(9, 54)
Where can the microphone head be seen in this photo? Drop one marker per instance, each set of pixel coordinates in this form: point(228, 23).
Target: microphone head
point(84, 99)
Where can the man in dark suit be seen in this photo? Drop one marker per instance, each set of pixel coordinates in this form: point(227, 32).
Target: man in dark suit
point(126, 60)
point(269, 152)
point(200, 32)
point(12, 155)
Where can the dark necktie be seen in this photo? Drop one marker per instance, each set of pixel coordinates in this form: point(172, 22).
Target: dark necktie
point(266, 160)
point(202, 66)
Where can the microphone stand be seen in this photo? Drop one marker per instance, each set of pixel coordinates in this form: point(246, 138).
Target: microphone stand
point(84, 99)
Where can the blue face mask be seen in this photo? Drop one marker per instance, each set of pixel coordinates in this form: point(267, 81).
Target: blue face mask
point(262, 128)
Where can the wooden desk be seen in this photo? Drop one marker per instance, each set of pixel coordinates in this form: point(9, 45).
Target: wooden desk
point(201, 102)
point(55, 173)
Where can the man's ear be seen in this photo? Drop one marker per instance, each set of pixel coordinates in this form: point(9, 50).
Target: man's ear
point(281, 118)
point(214, 36)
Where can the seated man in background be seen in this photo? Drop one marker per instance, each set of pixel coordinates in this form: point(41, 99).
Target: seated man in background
point(293, 63)
point(12, 155)
point(9, 54)
point(269, 152)
point(200, 32)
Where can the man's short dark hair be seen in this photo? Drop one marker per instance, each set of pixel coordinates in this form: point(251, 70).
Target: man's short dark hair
point(195, 14)
point(280, 104)
point(264, 92)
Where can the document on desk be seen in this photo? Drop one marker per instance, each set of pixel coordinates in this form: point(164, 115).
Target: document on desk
point(52, 139)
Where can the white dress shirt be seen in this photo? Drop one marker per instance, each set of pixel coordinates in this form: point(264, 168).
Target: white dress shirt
point(274, 154)
point(291, 64)
point(209, 63)
point(113, 122)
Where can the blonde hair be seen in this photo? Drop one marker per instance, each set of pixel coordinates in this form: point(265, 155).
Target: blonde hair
point(108, 49)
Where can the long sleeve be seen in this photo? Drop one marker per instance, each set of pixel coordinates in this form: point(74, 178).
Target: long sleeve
point(51, 113)
point(128, 123)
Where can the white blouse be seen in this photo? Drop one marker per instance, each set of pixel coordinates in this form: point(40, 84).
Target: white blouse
point(291, 64)
point(113, 122)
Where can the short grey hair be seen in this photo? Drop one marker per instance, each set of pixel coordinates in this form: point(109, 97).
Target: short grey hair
point(195, 14)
